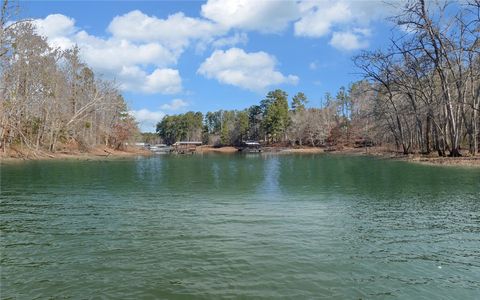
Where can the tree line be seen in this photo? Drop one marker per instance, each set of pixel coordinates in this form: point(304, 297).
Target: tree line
point(50, 99)
point(276, 120)
point(420, 94)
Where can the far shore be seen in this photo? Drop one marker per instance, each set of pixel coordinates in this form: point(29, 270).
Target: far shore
point(104, 153)
point(379, 152)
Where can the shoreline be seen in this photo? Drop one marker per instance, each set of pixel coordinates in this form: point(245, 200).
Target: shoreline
point(98, 153)
point(103, 153)
point(416, 158)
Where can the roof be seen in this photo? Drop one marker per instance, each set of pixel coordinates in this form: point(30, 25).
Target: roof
point(187, 143)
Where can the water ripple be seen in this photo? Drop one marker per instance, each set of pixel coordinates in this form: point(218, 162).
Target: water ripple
point(208, 227)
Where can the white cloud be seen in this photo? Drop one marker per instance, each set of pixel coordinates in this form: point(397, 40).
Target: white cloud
point(368, 11)
point(140, 43)
point(55, 25)
point(348, 41)
point(363, 31)
point(311, 18)
point(263, 16)
point(56, 28)
point(253, 71)
point(147, 119)
point(176, 32)
point(175, 104)
point(113, 54)
point(236, 39)
point(319, 17)
point(345, 22)
point(118, 57)
point(313, 65)
point(164, 81)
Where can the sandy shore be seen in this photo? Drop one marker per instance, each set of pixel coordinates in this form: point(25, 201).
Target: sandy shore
point(102, 153)
point(210, 149)
point(432, 159)
point(379, 152)
point(275, 150)
point(98, 153)
point(302, 150)
point(469, 161)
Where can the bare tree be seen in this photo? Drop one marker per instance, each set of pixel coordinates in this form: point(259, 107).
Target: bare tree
point(51, 99)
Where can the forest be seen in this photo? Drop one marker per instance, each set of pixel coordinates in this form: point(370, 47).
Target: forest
point(50, 100)
point(274, 121)
point(421, 94)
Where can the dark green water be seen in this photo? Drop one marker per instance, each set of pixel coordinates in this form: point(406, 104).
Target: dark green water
point(235, 226)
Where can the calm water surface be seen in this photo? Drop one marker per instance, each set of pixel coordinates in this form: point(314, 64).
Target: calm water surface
point(236, 226)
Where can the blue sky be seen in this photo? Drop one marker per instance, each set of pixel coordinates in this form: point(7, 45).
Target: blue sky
point(174, 56)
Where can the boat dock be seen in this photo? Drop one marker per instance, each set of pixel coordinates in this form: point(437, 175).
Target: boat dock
point(185, 147)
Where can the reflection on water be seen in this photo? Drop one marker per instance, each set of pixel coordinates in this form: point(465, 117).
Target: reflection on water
point(239, 226)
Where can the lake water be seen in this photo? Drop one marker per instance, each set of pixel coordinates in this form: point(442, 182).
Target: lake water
point(239, 226)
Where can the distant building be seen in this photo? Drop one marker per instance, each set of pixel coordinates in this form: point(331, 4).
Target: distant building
point(184, 147)
point(160, 148)
point(141, 145)
point(250, 146)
